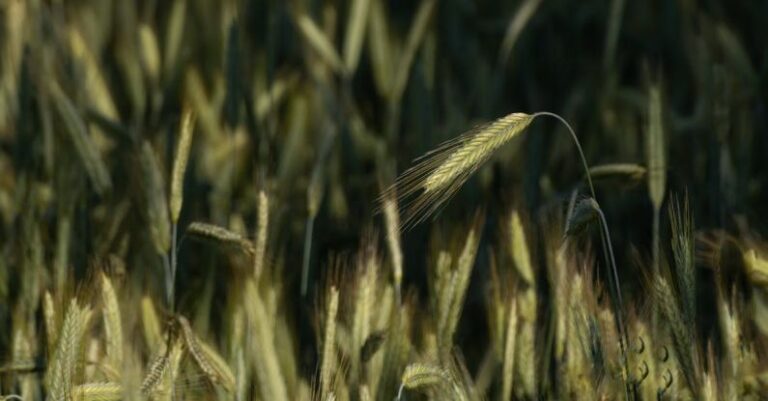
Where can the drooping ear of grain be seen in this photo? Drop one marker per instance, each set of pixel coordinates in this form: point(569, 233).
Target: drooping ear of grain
point(210, 363)
point(220, 236)
point(441, 172)
point(180, 164)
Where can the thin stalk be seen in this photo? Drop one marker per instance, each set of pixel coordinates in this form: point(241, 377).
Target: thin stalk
point(310, 225)
point(605, 240)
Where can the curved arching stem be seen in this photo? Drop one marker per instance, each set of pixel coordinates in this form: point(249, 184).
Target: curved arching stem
point(605, 239)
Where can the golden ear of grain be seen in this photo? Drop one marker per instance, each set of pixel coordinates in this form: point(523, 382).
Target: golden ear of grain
point(66, 363)
point(155, 373)
point(208, 360)
point(112, 324)
point(440, 173)
point(109, 391)
point(180, 163)
point(221, 236)
point(657, 161)
point(418, 375)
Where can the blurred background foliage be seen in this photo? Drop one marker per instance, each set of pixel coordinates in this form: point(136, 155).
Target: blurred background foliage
point(322, 108)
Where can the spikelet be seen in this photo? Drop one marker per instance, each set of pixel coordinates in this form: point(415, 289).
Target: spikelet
point(440, 173)
point(261, 235)
point(180, 164)
point(328, 366)
point(65, 365)
point(220, 235)
point(213, 366)
point(112, 324)
point(109, 391)
point(155, 373)
point(426, 376)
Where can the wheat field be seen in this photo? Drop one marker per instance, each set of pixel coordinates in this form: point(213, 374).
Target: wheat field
point(372, 200)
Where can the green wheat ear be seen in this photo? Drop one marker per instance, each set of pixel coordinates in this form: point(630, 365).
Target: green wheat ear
point(427, 186)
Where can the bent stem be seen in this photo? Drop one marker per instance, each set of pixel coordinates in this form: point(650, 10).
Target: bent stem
point(605, 239)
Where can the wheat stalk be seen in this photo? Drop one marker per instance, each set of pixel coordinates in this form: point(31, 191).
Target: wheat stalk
point(425, 187)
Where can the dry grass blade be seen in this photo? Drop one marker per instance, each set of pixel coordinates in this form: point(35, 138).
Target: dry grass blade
point(379, 48)
point(392, 223)
point(220, 236)
point(412, 44)
point(353, 39)
point(98, 392)
point(51, 323)
point(657, 175)
point(77, 131)
point(154, 196)
point(212, 365)
point(441, 172)
point(629, 170)
point(261, 235)
point(524, 13)
point(180, 164)
point(319, 42)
